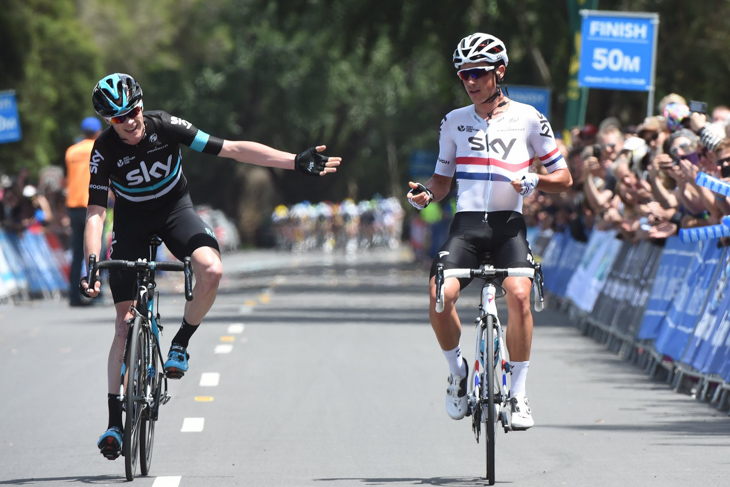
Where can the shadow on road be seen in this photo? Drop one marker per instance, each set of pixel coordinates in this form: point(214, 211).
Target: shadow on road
point(97, 479)
point(451, 481)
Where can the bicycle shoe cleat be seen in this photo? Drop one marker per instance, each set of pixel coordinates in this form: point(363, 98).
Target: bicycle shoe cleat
point(110, 443)
point(521, 414)
point(457, 402)
point(177, 362)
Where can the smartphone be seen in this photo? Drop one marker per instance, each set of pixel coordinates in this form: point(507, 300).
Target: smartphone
point(698, 106)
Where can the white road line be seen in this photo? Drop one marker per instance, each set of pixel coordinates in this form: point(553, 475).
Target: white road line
point(209, 379)
point(223, 348)
point(246, 310)
point(235, 328)
point(192, 425)
point(166, 482)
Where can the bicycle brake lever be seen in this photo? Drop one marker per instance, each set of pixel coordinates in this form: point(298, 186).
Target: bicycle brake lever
point(188, 271)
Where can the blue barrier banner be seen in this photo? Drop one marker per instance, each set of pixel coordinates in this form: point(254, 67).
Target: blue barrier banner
point(590, 276)
point(571, 258)
point(551, 260)
point(688, 302)
point(707, 348)
point(14, 261)
point(673, 266)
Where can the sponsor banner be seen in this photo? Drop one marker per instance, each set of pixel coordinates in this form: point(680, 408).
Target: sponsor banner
point(688, 302)
point(708, 346)
point(673, 266)
point(592, 272)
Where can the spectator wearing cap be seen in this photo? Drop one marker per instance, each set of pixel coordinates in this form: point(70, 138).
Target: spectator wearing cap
point(654, 131)
point(78, 157)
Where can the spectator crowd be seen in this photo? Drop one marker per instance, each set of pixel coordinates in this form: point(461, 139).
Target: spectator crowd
point(640, 179)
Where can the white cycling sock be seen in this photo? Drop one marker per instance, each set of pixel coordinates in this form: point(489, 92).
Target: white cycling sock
point(456, 363)
point(519, 377)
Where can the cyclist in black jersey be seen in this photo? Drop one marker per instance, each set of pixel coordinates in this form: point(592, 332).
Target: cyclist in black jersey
point(139, 159)
point(488, 148)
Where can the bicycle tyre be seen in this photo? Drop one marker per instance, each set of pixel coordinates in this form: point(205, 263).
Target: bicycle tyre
point(151, 389)
point(134, 391)
point(489, 387)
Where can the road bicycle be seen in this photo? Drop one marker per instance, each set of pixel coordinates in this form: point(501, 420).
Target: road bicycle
point(489, 399)
point(143, 386)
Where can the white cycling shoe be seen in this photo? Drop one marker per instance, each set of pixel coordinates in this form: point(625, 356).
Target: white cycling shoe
point(521, 413)
point(457, 403)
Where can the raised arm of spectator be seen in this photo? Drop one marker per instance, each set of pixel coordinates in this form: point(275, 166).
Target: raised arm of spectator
point(698, 124)
point(666, 198)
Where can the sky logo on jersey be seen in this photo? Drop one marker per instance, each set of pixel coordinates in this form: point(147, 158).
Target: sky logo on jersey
point(180, 121)
point(94, 163)
point(142, 175)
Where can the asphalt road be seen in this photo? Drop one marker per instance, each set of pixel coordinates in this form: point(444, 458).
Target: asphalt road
point(323, 371)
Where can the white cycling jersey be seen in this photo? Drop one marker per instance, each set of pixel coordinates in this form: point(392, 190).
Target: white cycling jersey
point(485, 155)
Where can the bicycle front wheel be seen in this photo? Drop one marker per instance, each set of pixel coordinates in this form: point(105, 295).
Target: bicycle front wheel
point(152, 389)
point(134, 397)
point(490, 387)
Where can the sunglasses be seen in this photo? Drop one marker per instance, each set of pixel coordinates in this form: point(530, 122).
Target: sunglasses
point(674, 151)
point(651, 137)
point(720, 162)
point(123, 118)
point(474, 73)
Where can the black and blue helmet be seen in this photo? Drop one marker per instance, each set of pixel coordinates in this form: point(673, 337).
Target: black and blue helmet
point(115, 95)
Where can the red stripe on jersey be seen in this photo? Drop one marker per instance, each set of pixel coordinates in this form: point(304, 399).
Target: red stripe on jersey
point(548, 156)
point(488, 161)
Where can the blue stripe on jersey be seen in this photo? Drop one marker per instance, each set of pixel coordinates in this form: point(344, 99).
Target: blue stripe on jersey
point(201, 138)
point(125, 189)
point(482, 176)
point(553, 161)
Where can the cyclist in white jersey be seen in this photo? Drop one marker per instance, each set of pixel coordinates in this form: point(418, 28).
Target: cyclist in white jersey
point(488, 147)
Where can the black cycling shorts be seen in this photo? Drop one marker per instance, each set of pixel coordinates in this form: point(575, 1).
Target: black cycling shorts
point(177, 224)
point(503, 236)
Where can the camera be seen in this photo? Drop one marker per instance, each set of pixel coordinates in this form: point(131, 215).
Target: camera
point(698, 106)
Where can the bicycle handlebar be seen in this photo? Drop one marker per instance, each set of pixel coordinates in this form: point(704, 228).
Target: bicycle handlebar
point(485, 273)
point(142, 265)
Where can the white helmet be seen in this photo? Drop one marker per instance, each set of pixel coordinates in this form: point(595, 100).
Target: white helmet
point(480, 47)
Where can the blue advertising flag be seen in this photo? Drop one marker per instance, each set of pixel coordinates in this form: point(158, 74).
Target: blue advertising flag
point(9, 119)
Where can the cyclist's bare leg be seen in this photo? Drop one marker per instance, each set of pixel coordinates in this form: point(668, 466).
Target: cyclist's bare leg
point(446, 325)
point(208, 270)
point(116, 352)
point(519, 322)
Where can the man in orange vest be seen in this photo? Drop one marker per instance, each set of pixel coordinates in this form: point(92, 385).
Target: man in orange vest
point(78, 157)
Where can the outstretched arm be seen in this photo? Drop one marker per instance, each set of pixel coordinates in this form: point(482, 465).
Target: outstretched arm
point(263, 155)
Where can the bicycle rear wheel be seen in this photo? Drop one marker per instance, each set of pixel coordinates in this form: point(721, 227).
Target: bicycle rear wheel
point(133, 398)
point(149, 416)
point(490, 387)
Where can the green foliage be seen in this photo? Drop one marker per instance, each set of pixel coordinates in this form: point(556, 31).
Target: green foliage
point(370, 79)
point(50, 65)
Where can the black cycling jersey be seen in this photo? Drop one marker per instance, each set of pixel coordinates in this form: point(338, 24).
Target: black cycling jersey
point(148, 175)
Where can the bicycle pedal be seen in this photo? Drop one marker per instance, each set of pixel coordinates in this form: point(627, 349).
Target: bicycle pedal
point(174, 374)
point(165, 399)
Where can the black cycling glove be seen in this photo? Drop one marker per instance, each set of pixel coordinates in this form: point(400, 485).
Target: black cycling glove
point(81, 287)
point(420, 189)
point(310, 162)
